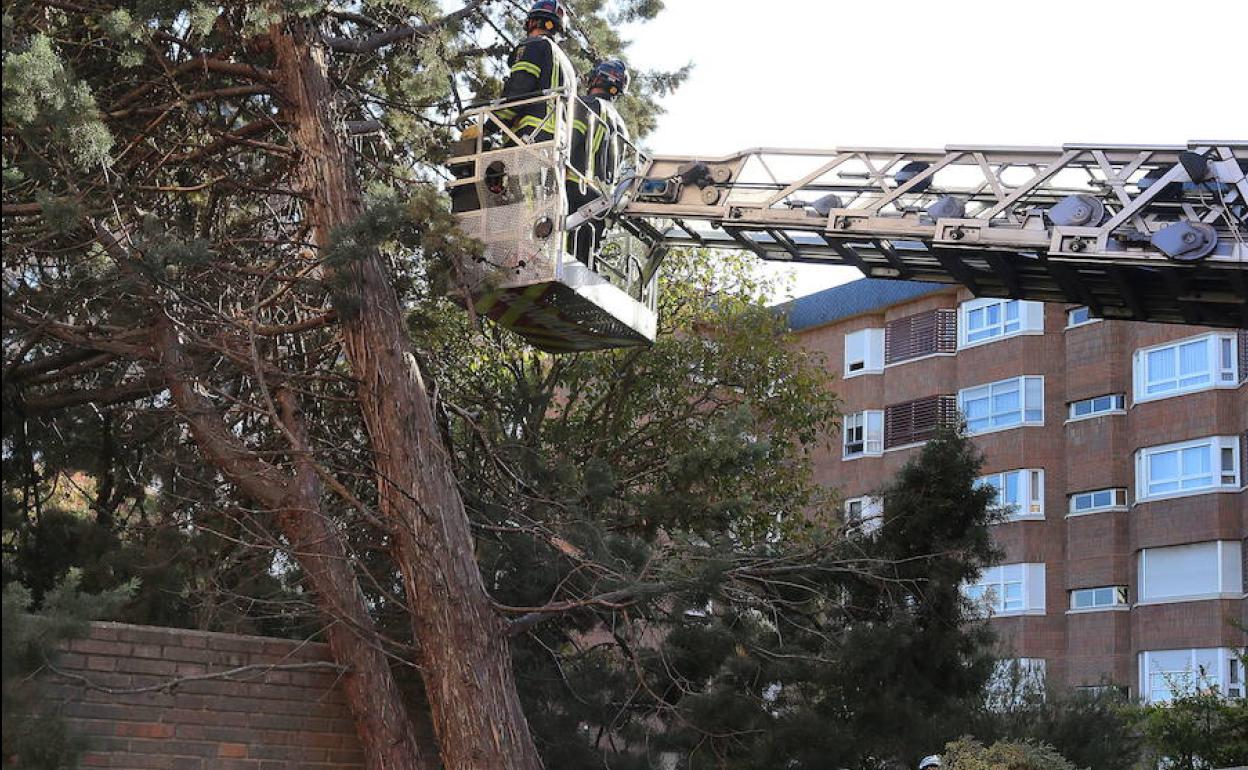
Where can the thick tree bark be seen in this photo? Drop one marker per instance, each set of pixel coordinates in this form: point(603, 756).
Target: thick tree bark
point(465, 660)
point(381, 719)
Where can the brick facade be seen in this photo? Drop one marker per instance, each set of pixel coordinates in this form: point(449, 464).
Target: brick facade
point(260, 720)
point(1083, 551)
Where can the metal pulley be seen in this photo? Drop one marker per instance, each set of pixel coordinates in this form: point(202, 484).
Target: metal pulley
point(1077, 211)
point(1186, 241)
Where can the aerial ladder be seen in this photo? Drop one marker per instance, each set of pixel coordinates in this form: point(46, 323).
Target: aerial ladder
point(1146, 233)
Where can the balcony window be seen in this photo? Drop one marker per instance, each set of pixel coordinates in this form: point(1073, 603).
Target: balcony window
point(1093, 407)
point(864, 434)
point(864, 513)
point(1019, 494)
point(986, 320)
point(1005, 404)
point(920, 335)
point(1166, 674)
point(1009, 589)
point(1098, 500)
point(1098, 598)
point(1190, 467)
point(864, 352)
point(1013, 682)
point(1079, 316)
point(916, 421)
point(1191, 572)
point(1186, 366)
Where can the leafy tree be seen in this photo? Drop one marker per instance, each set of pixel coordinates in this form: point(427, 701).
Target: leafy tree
point(1198, 729)
point(968, 754)
point(34, 735)
point(180, 195)
point(1095, 729)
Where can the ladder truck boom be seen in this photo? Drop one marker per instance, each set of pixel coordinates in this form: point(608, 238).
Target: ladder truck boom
point(1147, 233)
point(1133, 232)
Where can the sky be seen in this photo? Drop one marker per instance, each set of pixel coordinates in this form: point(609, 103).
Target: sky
point(904, 73)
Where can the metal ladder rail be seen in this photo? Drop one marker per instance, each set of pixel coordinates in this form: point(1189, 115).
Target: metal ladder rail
point(1005, 243)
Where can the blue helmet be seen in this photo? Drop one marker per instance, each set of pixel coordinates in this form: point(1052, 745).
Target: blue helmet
point(550, 13)
point(611, 75)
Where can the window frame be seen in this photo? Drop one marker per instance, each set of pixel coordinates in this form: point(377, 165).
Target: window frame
point(1224, 658)
point(1117, 405)
point(1030, 320)
point(1114, 505)
point(1031, 486)
point(1119, 599)
point(1088, 318)
point(870, 516)
point(1221, 360)
point(1220, 449)
point(872, 360)
point(872, 446)
point(1031, 582)
point(1223, 589)
point(1025, 408)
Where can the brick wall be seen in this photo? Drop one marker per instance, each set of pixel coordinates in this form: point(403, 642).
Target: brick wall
point(260, 720)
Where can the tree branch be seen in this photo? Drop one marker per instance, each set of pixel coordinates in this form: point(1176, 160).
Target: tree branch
point(170, 684)
point(401, 33)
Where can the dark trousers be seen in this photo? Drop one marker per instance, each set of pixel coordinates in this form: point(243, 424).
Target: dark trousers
point(584, 240)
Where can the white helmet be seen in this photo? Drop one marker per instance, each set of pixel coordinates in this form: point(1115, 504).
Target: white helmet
point(932, 760)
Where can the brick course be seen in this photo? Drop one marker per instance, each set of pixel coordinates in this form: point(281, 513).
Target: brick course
point(259, 720)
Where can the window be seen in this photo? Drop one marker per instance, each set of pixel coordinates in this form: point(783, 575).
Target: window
point(1009, 589)
point(1078, 316)
point(1190, 467)
point(1013, 682)
point(864, 434)
point(1091, 407)
point(985, 320)
point(865, 513)
point(1186, 366)
point(864, 352)
point(1098, 598)
point(1004, 404)
point(921, 334)
point(1020, 494)
point(1098, 500)
point(1189, 572)
point(915, 421)
point(1165, 674)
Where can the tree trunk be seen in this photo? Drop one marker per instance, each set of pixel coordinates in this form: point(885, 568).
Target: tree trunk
point(381, 719)
point(465, 660)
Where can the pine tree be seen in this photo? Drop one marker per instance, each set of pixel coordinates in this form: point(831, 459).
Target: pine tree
point(36, 736)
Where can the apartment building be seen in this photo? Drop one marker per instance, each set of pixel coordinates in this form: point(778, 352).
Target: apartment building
point(1119, 452)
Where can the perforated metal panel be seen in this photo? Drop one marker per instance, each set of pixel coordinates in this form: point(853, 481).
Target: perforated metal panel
point(530, 192)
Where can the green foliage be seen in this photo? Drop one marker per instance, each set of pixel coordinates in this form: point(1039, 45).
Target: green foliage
point(967, 754)
point(34, 734)
point(1196, 730)
point(39, 92)
point(1095, 729)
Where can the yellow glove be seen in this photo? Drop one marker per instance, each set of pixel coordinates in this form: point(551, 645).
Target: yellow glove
point(471, 132)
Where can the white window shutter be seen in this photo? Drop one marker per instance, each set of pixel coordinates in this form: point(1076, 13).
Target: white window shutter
point(875, 350)
point(874, 433)
point(1035, 586)
point(1033, 316)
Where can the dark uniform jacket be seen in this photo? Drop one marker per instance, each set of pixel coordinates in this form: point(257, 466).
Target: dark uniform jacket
point(599, 135)
point(537, 65)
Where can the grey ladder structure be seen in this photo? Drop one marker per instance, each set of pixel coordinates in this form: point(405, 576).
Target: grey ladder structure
point(1133, 232)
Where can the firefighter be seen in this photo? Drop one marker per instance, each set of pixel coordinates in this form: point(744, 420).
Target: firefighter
point(538, 64)
point(598, 133)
